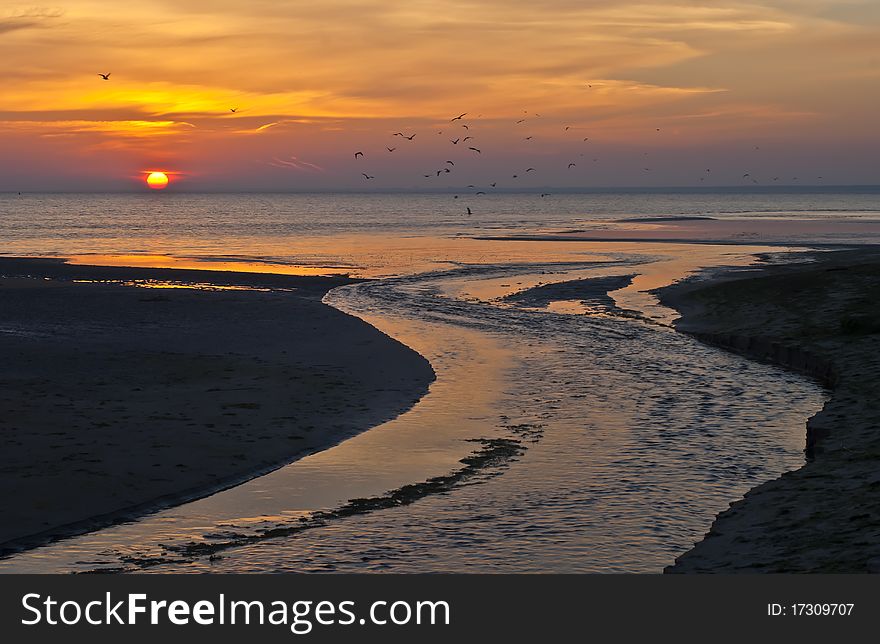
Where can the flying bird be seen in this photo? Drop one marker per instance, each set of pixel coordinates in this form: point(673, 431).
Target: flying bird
point(528, 138)
point(567, 128)
point(357, 154)
point(410, 137)
point(104, 76)
point(391, 149)
point(451, 162)
point(233, 109)
point(465, 126)
point(454, 141)
point(572, 165)
point(492, 184)
point(480, 192)
point(466, 138)
point(366, 176)
point(586, 138)
point(530, 170)
point(475, 150)
point(545, 194)
point(459, 117)
point(520, 121)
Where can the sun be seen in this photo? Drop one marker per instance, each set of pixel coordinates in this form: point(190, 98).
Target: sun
point(157, 180)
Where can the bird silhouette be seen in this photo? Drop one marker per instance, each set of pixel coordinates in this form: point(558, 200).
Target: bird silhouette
point(492, 184)
point(104, 76)
point(530, 170)
point(586, 138)
point(480, 192)
point(567, 128)
point(366, 176)
point(466, 138)
point(451, 162)
point(459, 117)
point(410, 137)
point(572, 165)
point(439, 172)
point(469, 211)
point(357, 154)
point(390, 149)
point(465, 126)
point(545, 194)
point(520, 121)
point(475, 150)
point(528, 138)
point(454, 141)
point(233, 109)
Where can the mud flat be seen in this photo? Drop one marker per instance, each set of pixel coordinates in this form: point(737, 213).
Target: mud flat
point(820, 317)
point(117, 400)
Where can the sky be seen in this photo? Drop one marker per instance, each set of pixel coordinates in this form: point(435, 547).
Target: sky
point(646, 93)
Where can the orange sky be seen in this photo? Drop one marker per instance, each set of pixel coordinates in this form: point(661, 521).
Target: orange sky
point(778, 88)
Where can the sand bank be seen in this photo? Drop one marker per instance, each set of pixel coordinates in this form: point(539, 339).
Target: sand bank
point(116, 400)
point(820, 317)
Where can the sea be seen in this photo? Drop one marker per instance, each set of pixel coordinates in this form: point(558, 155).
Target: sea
point(564, 433)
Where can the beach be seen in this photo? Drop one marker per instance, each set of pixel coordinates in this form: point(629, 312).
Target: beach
point(122, 392)
point(819, 317)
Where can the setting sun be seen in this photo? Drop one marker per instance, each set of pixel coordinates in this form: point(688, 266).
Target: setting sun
point(157, 180)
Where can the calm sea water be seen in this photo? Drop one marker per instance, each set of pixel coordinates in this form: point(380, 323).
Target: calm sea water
point(629, 437)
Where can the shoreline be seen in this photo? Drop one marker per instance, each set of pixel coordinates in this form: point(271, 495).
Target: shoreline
point(820, 319)
point(152, 358)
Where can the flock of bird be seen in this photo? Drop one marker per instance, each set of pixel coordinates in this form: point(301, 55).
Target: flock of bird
point(449, 165)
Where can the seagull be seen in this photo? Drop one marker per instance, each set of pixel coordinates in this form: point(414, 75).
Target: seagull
point(427, 176)
point(438, 172)
point(515, 176)
point(391, 149)
point(465, 126)
point(366, 176)
point(451, 162)
point(233, 109)
point(492, 184)
point(356, 154)
point(469, 211)
point(447, 170)
point(410, 137)
point(458, 118)
point(475, 150)
point(454, 141)
point(104, 76)
point(545, 194)
point(528, 138)
point(746, 175)
point(530, 170)
point(572, 165)
point(567, 128)
point(520, 121)
point(466, 138)
point(480, 192)
point(646, 169)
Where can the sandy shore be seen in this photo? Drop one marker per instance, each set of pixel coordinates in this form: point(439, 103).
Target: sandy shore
point(117, 400)
point(821, 318)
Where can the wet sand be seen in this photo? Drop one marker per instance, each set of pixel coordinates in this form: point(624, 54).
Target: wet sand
point(117, 400)
point(820, 317)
